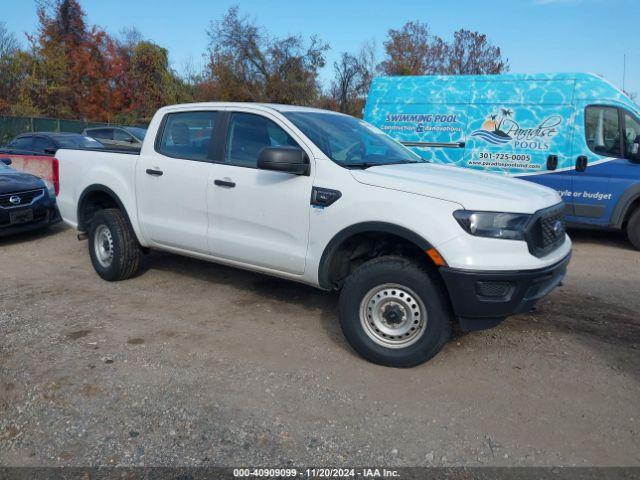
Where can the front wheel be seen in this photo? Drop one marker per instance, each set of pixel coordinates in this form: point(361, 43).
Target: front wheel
point(113, 247)
point(393, 313)
point(633, 229)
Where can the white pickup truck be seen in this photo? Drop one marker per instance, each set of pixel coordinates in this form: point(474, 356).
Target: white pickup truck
point(328, 200)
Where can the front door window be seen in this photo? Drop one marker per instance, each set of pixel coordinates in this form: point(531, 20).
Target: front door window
point(631, 136)
point(603, 131)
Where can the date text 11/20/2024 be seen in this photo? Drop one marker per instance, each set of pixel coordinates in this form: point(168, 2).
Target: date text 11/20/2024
point(316, 472)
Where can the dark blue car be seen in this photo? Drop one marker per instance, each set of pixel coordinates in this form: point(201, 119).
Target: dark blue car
point(26, 201)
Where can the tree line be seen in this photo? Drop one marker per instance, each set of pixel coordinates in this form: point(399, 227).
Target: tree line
point(73, 70)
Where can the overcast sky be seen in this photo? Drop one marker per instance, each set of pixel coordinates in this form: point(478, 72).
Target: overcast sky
point(535, 35)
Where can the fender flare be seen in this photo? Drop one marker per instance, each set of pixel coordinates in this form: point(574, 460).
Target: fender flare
point(625, 201)
point(364, 227)
point(103, 189)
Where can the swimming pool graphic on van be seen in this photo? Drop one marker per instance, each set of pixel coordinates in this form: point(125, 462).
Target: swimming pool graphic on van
point(491, 132)
point(502, 128)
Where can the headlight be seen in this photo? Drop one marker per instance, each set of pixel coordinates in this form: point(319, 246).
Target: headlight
point(50, 187)
point(510, 226)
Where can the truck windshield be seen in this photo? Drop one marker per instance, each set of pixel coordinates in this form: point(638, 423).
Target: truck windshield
point(350, 142)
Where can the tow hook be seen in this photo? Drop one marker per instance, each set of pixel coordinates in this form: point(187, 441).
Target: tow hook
point(82, 236)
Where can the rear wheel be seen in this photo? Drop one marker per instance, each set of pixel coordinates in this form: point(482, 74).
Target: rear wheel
point(633, 228)
point(393, 312)
point(113, 247)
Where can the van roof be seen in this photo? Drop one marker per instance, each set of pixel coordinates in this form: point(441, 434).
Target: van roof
point(540, 88)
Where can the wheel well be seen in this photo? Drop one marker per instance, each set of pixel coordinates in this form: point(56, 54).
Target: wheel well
point(93, 201)
point(361, 247)
point(635, 204)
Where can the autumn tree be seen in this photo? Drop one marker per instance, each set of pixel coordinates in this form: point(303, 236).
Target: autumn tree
point(72, 64)
point(352, 78)
point(470, 53)
point(246, 64)
point(413, 50)
point(146, 81)
point(9, 69)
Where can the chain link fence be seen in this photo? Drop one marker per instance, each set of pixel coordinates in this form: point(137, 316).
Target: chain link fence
point(12, 126)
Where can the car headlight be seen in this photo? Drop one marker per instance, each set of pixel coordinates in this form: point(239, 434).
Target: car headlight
point(509, 226)
point(50, 187)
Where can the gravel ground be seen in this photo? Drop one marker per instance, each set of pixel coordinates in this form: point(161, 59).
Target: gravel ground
point(192, 363)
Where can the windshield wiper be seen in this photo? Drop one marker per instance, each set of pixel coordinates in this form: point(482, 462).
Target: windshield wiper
point(362, 165)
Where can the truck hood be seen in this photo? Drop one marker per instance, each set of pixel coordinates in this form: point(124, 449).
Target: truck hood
point(471, 189)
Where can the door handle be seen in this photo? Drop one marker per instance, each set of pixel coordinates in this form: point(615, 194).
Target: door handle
point(154, 172)
point(224, 183)
point(581, 163)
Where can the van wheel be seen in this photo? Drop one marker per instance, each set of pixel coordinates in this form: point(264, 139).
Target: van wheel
point(113, 247)
point(633, 229)
point(393, 313)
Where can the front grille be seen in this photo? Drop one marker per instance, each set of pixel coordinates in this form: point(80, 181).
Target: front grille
point(26, 198)
point(547, 230)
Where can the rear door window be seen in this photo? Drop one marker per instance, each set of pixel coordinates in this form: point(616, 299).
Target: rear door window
point(602, 128)
point(22, 143)
point(187, 135)
point(43, 145)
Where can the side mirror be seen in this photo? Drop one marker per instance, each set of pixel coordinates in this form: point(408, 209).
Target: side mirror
point(50, 151)
point(552, 162)
point(581, 163)
point(6, 161)
point(284, 159)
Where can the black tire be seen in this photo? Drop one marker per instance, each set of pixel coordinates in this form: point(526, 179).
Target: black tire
point(633, 228)
point(125, 251)
point(398, 271)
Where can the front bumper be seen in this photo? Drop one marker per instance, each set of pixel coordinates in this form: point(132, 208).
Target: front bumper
point(483, 299)
point(45, 212)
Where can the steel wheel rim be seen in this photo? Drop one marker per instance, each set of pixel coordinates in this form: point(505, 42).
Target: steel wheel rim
point(393, 316)
point(103, 246)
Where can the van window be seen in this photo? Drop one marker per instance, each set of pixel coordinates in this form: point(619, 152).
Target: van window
point(249, 134)
point(187, 134)
point(631, 133)
point(602, 128)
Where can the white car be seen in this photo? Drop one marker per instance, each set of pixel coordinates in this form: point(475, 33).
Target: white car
point(328, 200)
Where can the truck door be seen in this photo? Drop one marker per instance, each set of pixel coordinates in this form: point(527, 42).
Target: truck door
point(172, 181)
point(257, 217)
point(605, 173)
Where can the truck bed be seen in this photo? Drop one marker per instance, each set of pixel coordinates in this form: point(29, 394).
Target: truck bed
point(80, 169)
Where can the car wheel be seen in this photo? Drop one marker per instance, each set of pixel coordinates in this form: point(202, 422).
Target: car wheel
point(394, 313)
point(113, 247)
point(633, 229)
